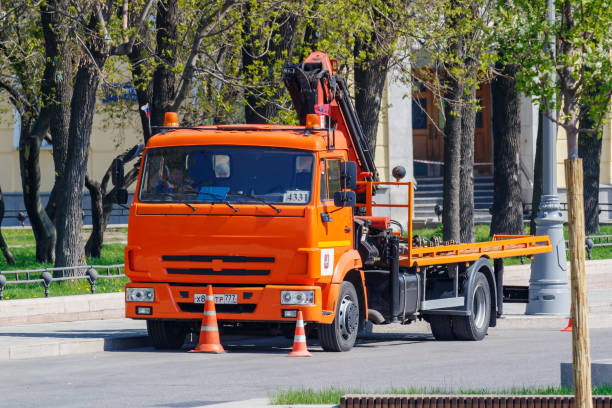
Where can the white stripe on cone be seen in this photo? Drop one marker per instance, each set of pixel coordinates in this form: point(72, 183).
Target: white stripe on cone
point(300, 338)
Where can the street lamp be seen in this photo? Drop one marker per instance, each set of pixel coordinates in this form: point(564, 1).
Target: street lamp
point(548, 289)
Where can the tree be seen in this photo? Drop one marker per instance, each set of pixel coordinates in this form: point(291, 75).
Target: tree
point(507, 204)
point(96, 49)
point(23, 64)
point(163, 72)
point(575, 46)
point(5, 249)
point(589, 149)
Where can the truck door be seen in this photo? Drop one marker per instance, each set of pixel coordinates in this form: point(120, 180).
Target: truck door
point(335, 224)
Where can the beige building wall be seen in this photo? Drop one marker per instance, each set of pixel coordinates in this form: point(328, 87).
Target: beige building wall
point(108, 139)
point(605, 175)
point(381, 154)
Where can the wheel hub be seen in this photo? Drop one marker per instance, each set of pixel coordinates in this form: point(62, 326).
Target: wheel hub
point(349, 317)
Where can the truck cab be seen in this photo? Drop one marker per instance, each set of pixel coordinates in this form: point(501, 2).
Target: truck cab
point(250, 210)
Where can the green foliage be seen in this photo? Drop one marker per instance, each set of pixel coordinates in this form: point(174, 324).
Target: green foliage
point(25, 259)
point(581, 59)
point(332, 395)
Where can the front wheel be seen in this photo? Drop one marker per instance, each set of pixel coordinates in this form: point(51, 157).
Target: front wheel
point(475, 326)
point(342, 333)
point(167, 334)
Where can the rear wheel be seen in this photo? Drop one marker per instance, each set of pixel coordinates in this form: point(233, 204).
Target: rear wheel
point(475, 326)
point(342, 333)
point(167, 334)
point(441, 327)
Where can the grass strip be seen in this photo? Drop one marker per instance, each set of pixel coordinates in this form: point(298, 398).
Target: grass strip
point(332, 395)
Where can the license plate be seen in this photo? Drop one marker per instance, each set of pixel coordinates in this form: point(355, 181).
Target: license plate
point(220, 299)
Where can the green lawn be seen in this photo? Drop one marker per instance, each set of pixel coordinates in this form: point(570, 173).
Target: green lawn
point(482, 234)
point(332, 395)
point(112, 253)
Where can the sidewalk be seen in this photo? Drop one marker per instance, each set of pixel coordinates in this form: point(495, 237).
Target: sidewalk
point(64, 338)
point(19, 339)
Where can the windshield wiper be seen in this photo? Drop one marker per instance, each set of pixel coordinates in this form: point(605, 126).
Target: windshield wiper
point(219, 200)
point(189, 205)
point(261, 200)
point(195, 209)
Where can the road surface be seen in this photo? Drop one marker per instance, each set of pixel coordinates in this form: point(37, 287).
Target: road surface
point(258, 367)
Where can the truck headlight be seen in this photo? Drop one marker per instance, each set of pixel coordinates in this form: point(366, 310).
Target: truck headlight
point(297, 297)
point(139, 294)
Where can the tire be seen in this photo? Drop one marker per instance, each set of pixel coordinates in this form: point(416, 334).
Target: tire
point(167, 334)
point(441, 327)
point(342, 333)
point(474, 327)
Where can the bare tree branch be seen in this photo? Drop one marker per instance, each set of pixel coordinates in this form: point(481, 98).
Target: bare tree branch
point(207, 23)
point(127, 47)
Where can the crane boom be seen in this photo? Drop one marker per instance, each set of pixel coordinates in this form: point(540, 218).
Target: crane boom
point(315, 88)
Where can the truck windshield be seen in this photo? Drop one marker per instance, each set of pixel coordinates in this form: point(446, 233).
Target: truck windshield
point(227, 174)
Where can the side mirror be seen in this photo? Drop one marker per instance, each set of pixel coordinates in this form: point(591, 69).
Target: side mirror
point(117, 172)
point(122, 196)
point(348, 175)
point(345, 199)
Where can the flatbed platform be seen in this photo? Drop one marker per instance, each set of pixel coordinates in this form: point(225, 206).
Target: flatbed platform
point(502, 246)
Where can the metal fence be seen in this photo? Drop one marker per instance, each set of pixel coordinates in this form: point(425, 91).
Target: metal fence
point(44, 276)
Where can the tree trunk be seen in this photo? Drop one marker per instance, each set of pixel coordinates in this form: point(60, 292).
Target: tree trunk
point(260, 109)
point(69, 248)
point(507, 203)
point(144, 89)
point(538, 175)
point(370, 76)
point(5, 249)
point(29, 151)
point(589, 149)
point(93, 248)
point(164, 75)
point(452, 166)
point(466, 172)
point(56, 87)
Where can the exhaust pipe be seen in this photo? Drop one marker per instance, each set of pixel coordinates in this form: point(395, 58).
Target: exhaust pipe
point(375, 316)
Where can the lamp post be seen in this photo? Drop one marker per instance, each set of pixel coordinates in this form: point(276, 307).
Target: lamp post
point(548, 289)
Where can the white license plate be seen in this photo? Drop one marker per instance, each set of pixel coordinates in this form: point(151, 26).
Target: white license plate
point(221, 299)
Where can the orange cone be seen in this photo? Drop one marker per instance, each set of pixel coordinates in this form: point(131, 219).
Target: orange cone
point(209, 332)
point(299, 340)
point(569, 324)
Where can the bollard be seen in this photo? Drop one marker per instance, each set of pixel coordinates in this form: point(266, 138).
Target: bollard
point(2, 284)
point(589, 244)
point(92, 275)
point(47, 279)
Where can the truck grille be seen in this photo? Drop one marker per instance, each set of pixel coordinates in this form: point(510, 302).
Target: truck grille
point(199, 308)
point(224, 258)
point(218, 265)
point(222, 272)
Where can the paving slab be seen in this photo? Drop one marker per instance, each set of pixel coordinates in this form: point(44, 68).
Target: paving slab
point(65, 338)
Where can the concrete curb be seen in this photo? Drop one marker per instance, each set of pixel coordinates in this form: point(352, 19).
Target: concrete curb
point(78, 346)
point(62, 309)
point(263, 403)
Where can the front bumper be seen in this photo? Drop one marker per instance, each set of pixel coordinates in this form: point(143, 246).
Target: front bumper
point(257, 303)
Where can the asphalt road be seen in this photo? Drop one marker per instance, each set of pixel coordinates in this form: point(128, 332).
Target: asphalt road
point(258, 367)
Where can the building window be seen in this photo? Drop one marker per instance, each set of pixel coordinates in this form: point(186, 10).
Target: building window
point(419, 117)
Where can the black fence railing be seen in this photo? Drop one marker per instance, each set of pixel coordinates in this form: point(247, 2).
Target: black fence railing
point(44, 276)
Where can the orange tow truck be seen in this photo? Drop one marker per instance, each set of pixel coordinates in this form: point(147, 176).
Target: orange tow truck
point(279, 219)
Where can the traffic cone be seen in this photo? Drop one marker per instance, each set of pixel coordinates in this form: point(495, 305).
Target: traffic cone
point(569, 324)
point(299, 340)
point(209, 332)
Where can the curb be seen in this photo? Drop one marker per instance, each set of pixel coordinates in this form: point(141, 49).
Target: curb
point(62, 309)
point(263, 403)
point(65, 348)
